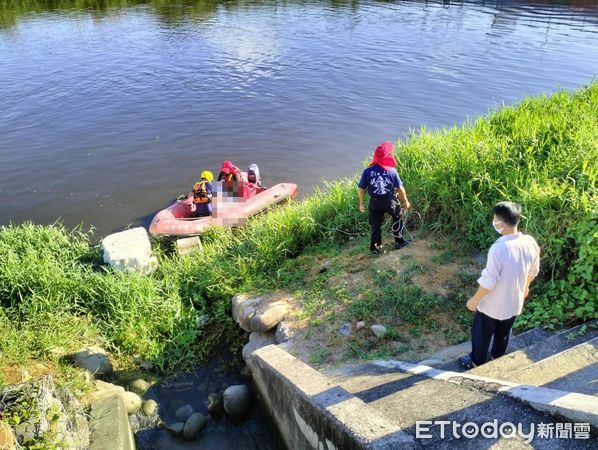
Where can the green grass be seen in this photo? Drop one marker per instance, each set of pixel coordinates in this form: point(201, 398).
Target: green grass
point(540, 153)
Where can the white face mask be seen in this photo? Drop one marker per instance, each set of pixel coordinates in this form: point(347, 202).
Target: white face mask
point(498, 230)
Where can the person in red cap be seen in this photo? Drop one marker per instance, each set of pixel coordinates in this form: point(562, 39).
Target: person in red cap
point(383, 184)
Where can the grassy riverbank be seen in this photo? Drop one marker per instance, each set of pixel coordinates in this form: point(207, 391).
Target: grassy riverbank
point(540, 153)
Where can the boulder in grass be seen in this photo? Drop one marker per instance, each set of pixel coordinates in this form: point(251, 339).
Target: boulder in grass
point(237, 400)
point(93, 359)
point(379, 330)
point(260, 313)
point(129, 250)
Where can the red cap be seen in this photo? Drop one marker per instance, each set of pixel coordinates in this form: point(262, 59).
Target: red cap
point(384, 156)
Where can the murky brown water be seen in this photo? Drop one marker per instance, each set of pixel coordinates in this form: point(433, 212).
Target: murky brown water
point(107, 112)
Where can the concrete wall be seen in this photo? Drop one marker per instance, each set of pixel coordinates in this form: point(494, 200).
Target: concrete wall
point(311, 412)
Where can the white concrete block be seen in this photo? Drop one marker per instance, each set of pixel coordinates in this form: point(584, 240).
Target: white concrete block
point(129, 250)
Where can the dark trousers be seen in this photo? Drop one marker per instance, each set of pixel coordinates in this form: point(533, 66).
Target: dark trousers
point(485, 328)
point(377, 209)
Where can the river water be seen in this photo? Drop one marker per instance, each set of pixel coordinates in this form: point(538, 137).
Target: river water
point(109, 109)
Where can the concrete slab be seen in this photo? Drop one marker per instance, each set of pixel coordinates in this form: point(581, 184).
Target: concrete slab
point(450, 354)
point(129, 250)
point(110, 427)
point(575, 368)
point(570, 406)
point(544, 348)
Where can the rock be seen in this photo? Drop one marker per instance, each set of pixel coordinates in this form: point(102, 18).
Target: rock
point(261, 313)
point(283, 332)
point(149, 408)
point(256, 341)
point(103, 389)
point(215, 403)
point(139, 386)
point(176, 429)
point(132, 402)
point(129, 250)
point(360, 325)
point(194, 425)
point(146, 365)
point(431, 362)
point(237, 400)
point(93, 359)
point(245, 372)
point(7, 437)
point(104, 386)
point(379, 330)
point(345, 330)
point(188, 245)
point(44, 411)
point(325, 267)
point(184, 412)
point(269, 318)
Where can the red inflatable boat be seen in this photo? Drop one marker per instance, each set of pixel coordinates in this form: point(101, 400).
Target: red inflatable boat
point(228, 211)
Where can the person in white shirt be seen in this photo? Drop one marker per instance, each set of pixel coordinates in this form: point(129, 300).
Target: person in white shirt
point(513, 262)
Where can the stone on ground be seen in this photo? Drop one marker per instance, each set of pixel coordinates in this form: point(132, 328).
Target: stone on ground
point(149, 408)
point(93, 359)
point(184, 412)
point(132, 402)
point(103, 389)
point(129, 250)
point(194, 425)
point(260, 313)
point(360, 325)
point(215, 403)
point(379, 330)
point(257, 340)
point(139, 386)
point(283, 332)
point(237, 400)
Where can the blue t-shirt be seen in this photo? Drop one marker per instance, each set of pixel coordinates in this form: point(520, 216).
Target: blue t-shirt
point(380, 183)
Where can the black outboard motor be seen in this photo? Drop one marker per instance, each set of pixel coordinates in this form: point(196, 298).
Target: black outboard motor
point(253, 175)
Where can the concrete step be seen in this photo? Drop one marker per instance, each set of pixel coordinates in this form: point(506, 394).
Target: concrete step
point(406, 399)
point(544, 347)
point(573, 370)
point(519, 341)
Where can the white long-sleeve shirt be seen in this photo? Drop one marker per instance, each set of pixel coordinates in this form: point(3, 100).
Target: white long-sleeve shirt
point(511, 259)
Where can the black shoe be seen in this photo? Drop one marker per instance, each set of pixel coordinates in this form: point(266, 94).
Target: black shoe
point(402, 243)
point(466, 362)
